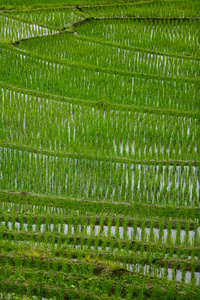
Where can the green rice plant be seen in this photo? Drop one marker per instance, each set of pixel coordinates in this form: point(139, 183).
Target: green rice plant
point(169, 36)
point(70, 47)
point(37, 168)
point(36, 3)
point(125, 90)
point(196, 235)
point(55, 17)
point(178, 229)
point(13, 29)
point(99, 151)
point(147, 9)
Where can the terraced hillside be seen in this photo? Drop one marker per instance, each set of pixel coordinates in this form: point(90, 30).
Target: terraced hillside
point(99, 149)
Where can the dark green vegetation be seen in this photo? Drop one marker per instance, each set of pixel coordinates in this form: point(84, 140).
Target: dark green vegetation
point(99, 149)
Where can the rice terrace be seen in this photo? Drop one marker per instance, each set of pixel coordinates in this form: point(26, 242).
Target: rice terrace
point(99, 149)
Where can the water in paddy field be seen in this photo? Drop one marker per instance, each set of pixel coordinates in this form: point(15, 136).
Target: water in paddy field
point(128, 233)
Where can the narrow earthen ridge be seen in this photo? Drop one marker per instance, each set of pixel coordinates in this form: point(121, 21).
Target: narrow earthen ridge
point(153, 19)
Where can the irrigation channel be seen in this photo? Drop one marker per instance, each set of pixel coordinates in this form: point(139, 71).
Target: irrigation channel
point(99, 149)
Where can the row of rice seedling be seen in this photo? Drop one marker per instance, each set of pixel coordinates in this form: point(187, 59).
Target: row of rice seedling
point(70, 47)
point(75, 286)
point(96, 131)
point(128, 253)
point(39, 173)
point(37, 203)
point(56, 17)
point(134, 253)
point(99, 104)
point(113, 289)
point(147, 252)
point(13, 29)
point(147, 9)
point(91, 83)
point(98, 226)
point(168, 36)
point(48, 204)
point(122, 47)
point(63, 17)
point(44, 3)
point(125, 258)
point(159, 8)
point(142, 260)
point(99, 243)
point(91, 257)
point(23, 211)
